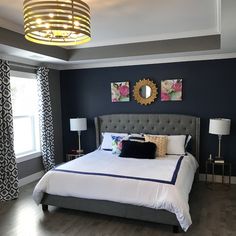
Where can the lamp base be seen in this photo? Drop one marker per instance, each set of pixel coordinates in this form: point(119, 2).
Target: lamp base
point(79, 151)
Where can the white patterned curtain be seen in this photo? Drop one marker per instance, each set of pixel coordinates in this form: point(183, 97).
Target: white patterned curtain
point(9, 188)
point(45, 117)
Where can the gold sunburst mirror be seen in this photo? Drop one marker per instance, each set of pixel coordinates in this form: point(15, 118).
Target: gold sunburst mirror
point(145, 92)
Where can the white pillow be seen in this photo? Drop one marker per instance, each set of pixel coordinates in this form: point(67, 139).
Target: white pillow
point(107, 140)
point(176, 144)
point(136, 137)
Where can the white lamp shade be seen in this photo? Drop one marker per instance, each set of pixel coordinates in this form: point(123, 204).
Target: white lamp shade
point(78, 124)
point(219, 126)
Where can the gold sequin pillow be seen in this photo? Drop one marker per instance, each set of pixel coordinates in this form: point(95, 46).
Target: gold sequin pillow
point(161, 143)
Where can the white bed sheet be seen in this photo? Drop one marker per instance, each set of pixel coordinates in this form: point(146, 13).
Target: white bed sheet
point(104, 176)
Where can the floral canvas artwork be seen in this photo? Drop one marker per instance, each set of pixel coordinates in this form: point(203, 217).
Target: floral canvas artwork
point(171, 90)
point(120, 92)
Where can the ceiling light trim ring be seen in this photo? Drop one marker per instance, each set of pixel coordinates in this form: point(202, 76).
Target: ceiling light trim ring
point(45, 10)
point(83, 24)
point(75, 2)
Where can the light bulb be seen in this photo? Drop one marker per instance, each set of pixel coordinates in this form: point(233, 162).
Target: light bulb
point(39, 21)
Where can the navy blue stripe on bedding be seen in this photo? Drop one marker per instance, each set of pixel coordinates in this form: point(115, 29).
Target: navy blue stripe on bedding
point(173, 180)
point(174, 177)
point(106, 149)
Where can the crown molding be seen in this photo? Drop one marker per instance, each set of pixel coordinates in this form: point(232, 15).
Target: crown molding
point(134, 61)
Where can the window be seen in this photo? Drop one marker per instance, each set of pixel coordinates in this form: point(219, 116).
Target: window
point(25, 114)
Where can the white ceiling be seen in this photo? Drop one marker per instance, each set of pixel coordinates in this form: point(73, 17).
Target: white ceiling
point(129, 21)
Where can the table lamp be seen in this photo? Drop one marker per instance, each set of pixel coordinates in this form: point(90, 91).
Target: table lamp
point(219, 126)
point(78, 124)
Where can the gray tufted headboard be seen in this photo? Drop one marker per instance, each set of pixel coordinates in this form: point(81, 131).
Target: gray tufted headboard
point(150, 124)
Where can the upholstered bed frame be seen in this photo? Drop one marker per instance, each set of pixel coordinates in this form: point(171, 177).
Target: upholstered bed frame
point(133, 123)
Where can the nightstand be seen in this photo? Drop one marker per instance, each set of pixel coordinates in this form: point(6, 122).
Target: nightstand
point(72, 156)
point(213, 164)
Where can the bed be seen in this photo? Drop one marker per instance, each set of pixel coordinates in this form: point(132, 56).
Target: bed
point(168, 124)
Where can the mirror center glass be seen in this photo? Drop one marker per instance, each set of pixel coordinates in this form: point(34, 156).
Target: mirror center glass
point(145, 91)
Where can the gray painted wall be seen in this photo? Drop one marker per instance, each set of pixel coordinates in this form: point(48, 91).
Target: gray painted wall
point(35, 165)
point(55, 93)
point(29, 167)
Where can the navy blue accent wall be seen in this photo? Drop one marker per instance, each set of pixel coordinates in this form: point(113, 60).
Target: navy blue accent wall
point(209, 90)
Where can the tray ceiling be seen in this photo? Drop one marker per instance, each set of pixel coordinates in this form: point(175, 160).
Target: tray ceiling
point(124, 32)
point(129, 21)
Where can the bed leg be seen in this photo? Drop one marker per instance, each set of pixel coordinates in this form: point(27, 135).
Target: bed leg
point(44, 207)
point(175, 229)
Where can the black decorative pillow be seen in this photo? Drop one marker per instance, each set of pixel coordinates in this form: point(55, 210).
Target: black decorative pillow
point(188, 143)
point(133, 149)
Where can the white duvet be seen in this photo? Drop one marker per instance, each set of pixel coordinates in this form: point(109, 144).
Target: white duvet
point(104, 176)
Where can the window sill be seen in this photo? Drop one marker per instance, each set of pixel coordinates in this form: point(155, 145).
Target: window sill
point(27, 157)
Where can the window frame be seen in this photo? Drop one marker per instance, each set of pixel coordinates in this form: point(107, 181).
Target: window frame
point(37, 153)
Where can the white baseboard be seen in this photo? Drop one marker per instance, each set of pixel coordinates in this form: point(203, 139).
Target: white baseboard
point(30, 178)
point(218, 178)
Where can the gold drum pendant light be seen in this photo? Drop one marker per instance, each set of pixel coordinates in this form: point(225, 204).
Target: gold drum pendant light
point(57, 22)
